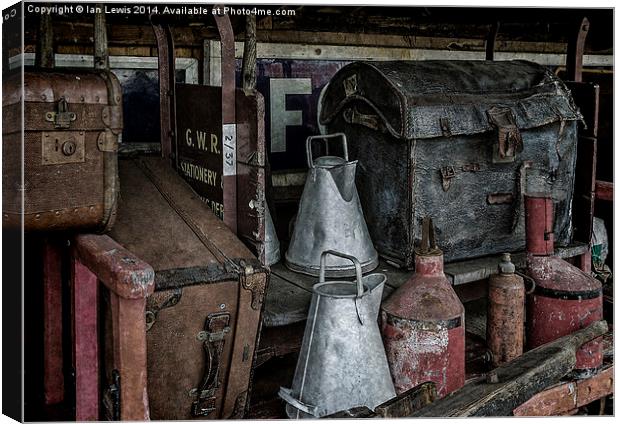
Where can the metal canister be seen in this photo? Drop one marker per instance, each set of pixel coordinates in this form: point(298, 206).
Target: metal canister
point(565, 299)
point(505, 313)
point(423, 325)
point(342, 363)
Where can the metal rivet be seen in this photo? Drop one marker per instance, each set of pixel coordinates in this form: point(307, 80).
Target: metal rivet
point(37, 216)
point(75, 210)
point(81, 98)
point(43, 96)
point(57, 213)
point(223, 306)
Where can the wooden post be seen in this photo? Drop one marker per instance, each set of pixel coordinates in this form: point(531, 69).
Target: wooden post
point(249, 55)
point(574, 53)
point(585, 262)
point(490, 41)
point(85, 342)
point(129, 280)
point(102, 60)
point(53, 378)
point(129, 339)
point(44, 53)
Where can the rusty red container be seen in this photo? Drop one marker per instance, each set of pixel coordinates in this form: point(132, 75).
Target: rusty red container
point(565, 299)
point(423, 327)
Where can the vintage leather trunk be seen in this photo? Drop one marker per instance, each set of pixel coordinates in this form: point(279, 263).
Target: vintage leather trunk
point(460, 141)
point(72, 121)
point(203, 320)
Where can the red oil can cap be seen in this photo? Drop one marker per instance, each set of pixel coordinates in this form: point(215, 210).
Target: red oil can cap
point(505, 265)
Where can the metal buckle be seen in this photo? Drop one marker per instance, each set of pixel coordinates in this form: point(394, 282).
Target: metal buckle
point(61, 118)
point(447, 174)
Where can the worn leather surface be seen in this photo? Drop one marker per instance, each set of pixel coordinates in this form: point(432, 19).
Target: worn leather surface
point(80, 195)
point(410, 97)
point(163, 221)
point(399, 177)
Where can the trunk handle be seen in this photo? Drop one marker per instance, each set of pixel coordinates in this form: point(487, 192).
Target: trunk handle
point(325, 137)
point(358, 269)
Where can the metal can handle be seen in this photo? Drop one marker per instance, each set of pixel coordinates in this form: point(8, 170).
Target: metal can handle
point(325, 137)
point(287, 395)
point(358, 269)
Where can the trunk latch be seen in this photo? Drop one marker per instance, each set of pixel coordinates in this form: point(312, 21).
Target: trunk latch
point(61, 118)
point(509, 141)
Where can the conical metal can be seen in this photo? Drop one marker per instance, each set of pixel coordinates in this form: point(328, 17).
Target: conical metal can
point(423, 325)
point(564, 299)
point(272, 244)
point(505, 313)
point(342, 362)
point(330, 217)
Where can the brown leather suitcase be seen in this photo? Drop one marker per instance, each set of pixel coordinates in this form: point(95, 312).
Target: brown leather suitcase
point(203, 320)
point(71, 121)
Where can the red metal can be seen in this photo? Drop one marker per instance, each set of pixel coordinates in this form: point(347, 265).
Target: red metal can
point(423, 326)
point(505, 313)
point(565, 299)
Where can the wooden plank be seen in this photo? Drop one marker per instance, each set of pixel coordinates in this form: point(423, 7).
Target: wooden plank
point(400, 406)
point(476, 318)
point(470, 270)
point(561, 399)
point(279, 341)
point(85, 342)
point(53, 378)
point(408, 402)
point(285, 303)
point(513, 383)
point(604, 191)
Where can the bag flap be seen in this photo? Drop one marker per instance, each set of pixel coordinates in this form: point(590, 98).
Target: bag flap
point(427, 99)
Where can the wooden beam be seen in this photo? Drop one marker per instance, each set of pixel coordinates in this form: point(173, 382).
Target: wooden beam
point(511, 384)
point(80, 33)
point(604, 191)
point(561, 399)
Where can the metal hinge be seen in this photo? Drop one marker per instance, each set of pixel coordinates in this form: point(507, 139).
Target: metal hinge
point(107, 141)
point(61, 118)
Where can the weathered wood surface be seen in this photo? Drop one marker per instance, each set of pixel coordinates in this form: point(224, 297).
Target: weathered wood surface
point(517, 381)
point(476, 318)
point(400, 406)
point(285, 303)
point(289, 293)
point(279, 341)
point(408, 402)
point(605, 190)
point(565, 397)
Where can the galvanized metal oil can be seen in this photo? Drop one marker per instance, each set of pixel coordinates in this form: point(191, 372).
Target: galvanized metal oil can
point(423, 325)
point(330, 217)
point(565, 299)
point(342, 362)
point(505, 313)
